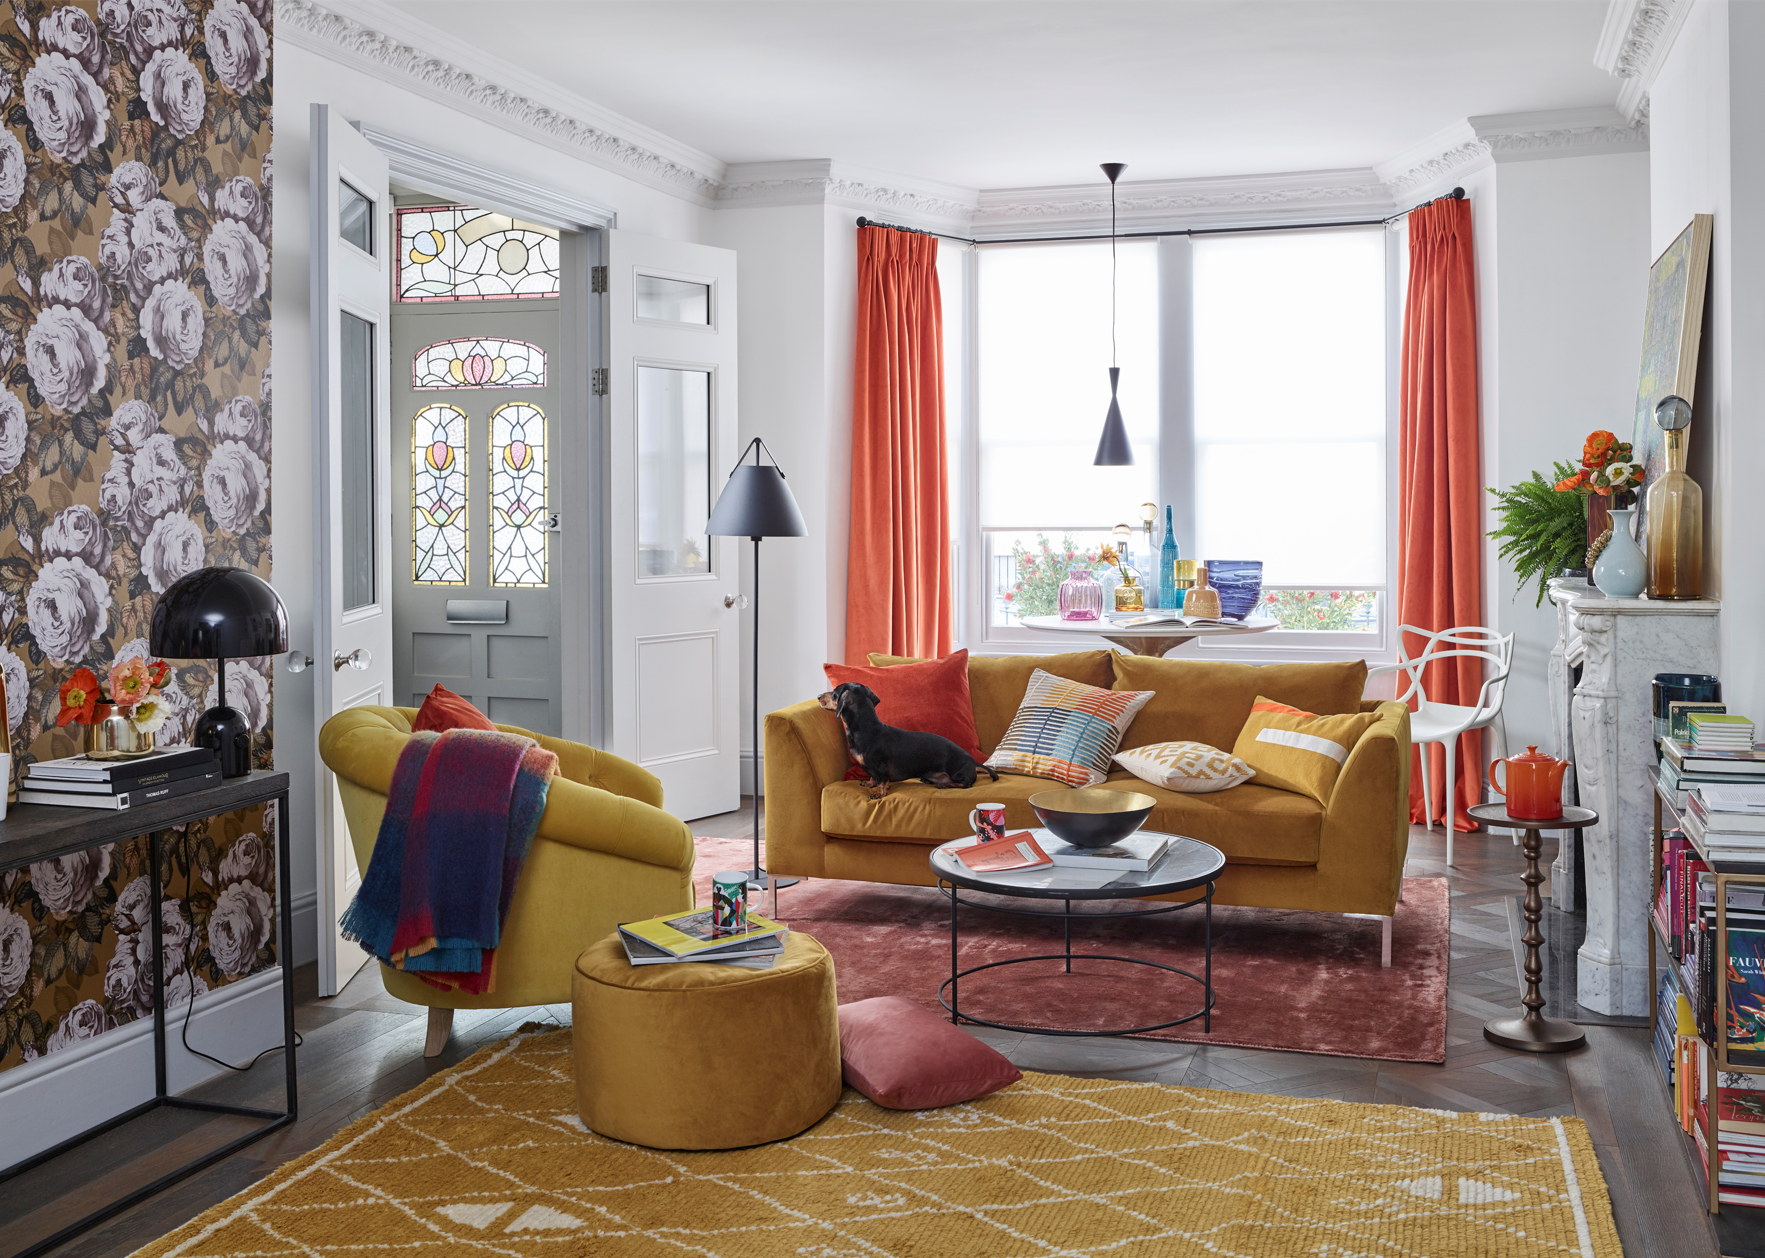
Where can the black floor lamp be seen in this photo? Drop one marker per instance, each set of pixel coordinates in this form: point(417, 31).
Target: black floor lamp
point(756, 503)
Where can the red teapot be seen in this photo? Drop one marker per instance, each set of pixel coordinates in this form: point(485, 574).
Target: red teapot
point(1535, 785)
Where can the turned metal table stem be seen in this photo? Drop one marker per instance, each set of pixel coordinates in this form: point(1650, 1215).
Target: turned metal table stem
point(1532, 1032)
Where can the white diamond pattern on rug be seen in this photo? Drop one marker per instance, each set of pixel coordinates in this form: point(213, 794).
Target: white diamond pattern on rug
point(542, 1219)
point(475, 1215)
point(1476, 1193)
point(1428, 1187)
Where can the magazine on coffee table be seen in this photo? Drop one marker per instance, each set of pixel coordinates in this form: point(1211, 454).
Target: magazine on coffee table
point(1152, 619)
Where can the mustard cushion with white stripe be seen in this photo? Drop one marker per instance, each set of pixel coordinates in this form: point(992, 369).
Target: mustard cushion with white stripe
point(1192, 768)
point(1298, 751)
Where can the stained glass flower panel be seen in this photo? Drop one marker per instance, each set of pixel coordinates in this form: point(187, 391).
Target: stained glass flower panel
point(482, 362)
point(517, 495)
point(460, 253)
point(438, 496)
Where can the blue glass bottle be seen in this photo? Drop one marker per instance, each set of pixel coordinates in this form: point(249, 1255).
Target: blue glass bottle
point(1169, 596)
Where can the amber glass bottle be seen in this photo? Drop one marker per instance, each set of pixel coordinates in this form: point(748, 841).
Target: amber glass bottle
point(1676, 528)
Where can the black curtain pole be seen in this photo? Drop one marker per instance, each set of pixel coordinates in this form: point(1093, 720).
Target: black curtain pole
point(1457, 194)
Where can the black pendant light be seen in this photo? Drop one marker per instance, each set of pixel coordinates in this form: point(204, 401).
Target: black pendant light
point(1113, 449)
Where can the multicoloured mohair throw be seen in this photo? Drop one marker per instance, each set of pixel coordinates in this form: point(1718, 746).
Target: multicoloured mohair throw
point(460, 818)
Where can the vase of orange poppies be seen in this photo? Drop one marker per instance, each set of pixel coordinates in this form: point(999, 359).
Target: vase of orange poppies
point(119, 725)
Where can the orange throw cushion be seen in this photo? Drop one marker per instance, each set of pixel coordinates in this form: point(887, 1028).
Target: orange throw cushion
point(445, 710)
point(931, 697)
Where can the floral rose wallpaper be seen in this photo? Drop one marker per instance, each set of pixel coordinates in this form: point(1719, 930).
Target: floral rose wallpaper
point(136, 178)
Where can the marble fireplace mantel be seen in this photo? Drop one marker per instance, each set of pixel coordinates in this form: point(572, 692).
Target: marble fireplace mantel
point(1620, 644)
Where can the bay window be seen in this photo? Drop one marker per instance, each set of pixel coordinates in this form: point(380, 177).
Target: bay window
point(1255, 388)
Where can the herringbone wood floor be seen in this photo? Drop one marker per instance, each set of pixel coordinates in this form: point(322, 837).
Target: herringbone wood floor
point(363, 1047)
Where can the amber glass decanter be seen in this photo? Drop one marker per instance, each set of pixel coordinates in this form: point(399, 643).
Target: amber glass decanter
point(1676, 514)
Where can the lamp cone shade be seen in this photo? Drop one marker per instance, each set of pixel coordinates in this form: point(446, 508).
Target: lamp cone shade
point(756, 502)
point(1113, 449)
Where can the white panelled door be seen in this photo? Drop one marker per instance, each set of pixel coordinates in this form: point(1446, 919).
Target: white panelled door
point(673, 597)
point(352, 631)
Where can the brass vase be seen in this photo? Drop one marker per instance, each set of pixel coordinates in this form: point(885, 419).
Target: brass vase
point(113, 736)
point(1130, 596)
point(1676, 528)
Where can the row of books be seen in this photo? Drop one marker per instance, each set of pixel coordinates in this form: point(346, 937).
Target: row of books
point(1728, 822)
point(1720, 731)
point(1739, 1126)
point(82, 782)
point(695, 936)
point(1670, 1024)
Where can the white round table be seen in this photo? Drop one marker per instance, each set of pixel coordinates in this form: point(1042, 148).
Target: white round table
point(1152, 640)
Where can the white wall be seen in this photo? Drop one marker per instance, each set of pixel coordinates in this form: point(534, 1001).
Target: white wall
point(1571, 265)
point(1707, 136)
point(304, 78)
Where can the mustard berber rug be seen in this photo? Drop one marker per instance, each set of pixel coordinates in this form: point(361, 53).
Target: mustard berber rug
point(490, 1158)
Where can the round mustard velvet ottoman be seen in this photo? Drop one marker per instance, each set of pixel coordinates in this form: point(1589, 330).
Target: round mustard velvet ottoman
point(687, 1056)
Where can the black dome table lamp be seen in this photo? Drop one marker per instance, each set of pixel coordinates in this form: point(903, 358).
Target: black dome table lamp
point(220, 614)
point(756, 503)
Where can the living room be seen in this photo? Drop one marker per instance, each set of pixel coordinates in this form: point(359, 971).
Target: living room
point(832, 470)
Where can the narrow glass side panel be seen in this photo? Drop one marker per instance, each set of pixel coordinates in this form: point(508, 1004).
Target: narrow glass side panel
point(440, 536)
point(481, 362)
point(517, 495)
point(356, 528)
point(355, 218)
point(673, 471)
point(673, 301)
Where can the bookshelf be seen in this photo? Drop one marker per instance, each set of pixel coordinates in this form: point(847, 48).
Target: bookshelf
point(1722, 1058)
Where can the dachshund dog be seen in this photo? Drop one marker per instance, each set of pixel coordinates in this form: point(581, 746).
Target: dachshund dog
point(893, 755)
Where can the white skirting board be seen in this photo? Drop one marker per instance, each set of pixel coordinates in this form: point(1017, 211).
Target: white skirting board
point(46, 1101)
point(305, 909)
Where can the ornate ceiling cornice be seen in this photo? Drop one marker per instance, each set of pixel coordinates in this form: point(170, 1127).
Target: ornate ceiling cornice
point(1151, 204)
point(387, 57)
point(820, 181)
point(1633, 43)
point(1494, 138)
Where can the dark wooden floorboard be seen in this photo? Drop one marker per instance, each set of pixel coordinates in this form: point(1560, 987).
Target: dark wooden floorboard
point(363, 1048)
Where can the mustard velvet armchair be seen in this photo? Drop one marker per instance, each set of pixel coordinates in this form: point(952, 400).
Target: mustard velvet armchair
point(605, 853)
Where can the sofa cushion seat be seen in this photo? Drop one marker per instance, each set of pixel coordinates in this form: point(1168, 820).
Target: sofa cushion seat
point(1252, 825)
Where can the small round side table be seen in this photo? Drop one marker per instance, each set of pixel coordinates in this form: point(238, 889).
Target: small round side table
point(1532, 1032)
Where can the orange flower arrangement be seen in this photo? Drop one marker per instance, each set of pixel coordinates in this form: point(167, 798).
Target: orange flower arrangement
point(1606, 468)
point(79, 695)
point(134, 687)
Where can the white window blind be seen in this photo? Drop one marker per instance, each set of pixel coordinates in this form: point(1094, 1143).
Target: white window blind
point(1044, 351)
point(1290, 405)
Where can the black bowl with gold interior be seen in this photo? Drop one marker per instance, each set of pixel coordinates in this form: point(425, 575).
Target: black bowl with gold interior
point(1087, 817)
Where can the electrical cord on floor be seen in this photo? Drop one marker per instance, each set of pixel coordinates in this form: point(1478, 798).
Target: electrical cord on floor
point(191, 1004)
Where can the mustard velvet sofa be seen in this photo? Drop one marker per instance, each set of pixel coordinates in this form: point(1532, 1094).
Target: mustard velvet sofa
point(605, 853)
point(1282, 850)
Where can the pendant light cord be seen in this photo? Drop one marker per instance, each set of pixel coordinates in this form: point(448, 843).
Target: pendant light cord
point(1112, 296)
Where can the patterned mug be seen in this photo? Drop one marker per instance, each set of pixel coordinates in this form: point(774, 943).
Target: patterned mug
point(729, 902)
point(988, 821)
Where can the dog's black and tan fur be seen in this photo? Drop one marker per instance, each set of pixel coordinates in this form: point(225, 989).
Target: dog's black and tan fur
point(893, 755)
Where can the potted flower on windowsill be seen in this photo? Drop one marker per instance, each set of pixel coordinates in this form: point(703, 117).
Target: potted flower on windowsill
point(120, 724)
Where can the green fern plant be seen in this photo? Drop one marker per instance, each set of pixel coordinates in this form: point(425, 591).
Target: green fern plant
point(1543, 529)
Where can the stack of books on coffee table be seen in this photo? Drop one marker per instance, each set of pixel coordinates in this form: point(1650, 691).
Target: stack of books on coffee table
point(82, 782)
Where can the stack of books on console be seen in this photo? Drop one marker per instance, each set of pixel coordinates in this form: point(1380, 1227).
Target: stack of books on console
point(82, 782)
point(1728, 822)
point(1685, 765)
point(692, 936)
point(1740, 1132)
point(1720, 731)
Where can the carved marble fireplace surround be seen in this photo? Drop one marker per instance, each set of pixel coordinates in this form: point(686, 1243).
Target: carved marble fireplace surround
point(1620, 644)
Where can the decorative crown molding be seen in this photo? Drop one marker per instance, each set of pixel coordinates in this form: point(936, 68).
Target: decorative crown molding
point(470, 80)
point(1489, 139)
point(1151, 204)
point(822, 181)
point(1633, 43)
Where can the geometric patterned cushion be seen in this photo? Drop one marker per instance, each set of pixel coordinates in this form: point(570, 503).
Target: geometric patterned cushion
point(1193, 768)
point(1066, 730)
point(1299, 751)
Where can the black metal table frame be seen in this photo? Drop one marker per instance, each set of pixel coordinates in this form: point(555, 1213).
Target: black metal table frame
point(952, 892)
point(274, 1119)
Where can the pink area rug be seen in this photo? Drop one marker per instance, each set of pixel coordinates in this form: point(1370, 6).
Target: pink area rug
point(1283, 979)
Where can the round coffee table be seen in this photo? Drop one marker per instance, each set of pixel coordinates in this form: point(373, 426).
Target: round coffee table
point(1188, 864)
point(1152, 640)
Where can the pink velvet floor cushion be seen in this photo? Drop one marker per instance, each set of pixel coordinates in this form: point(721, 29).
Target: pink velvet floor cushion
point(904, 1057)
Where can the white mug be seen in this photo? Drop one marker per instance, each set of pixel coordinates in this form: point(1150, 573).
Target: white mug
point(988, 822)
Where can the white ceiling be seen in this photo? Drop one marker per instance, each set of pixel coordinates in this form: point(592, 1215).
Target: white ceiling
point(1005, 93)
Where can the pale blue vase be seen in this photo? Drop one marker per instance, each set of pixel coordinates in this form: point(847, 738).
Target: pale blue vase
point(1622, 570)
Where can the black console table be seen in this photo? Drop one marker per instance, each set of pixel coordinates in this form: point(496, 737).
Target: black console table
point(36, 832)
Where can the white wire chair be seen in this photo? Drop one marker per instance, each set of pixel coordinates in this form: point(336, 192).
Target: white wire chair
point(1442, 723)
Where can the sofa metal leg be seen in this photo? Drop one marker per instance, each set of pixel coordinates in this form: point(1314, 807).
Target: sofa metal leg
point(1385, 943)
point(441, 1025)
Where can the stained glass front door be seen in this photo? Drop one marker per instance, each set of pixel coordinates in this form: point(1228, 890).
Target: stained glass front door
point(476, 408)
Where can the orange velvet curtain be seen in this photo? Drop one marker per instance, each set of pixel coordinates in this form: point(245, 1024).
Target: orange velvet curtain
point(1440, 502)
point(898, 580)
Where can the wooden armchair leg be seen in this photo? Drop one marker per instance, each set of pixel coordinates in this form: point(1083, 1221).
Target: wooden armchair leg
point(441, 1021)
point(1384, 943)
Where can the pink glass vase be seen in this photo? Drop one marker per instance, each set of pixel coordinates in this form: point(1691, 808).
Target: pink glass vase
point(1081, 598)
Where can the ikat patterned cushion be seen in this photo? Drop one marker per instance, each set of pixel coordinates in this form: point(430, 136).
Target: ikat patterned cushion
point(1066, 730)
point(1299, 751)
point(1193, 768)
